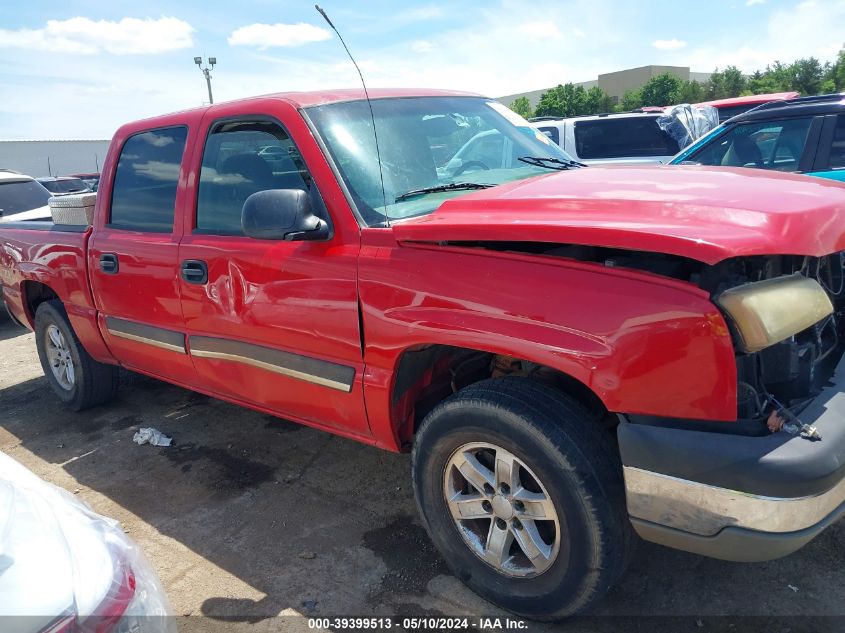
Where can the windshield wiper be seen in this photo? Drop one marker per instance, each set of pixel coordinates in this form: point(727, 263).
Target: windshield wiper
point(550, 163)
point(454, 186)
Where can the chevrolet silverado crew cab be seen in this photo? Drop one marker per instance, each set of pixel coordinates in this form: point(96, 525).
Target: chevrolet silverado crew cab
point(572, 355)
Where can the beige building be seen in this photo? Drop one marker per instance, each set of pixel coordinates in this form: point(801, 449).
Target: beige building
point(617, 83)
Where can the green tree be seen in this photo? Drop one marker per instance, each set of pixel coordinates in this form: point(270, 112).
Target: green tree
point(563, 101)
point(776, 78)
point(733, 81)
point(522, 106)
point(691, 92)
point(631, 100)
point(836, 72)
point(661, 90)
point(807, 75)
point(550, 102)
point(574, 100)
point(714, 87)
point(598, 101)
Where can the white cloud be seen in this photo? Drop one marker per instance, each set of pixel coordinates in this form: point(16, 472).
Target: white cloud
point(751, 3)
point(419, 14)
point(128, 36)
point(668, 45)
point(576, 32)
point(540, 30)
point(422, 46)
point(812, 32)
point(265, 36)
point(486, 54)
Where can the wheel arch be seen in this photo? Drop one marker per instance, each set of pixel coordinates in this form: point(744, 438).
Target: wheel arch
point(425, 375)
point(83, 319)
point(33, 294)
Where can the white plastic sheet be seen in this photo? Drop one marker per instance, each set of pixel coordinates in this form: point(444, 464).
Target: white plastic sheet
point(149, 435)
point(687, 123)
point(64, 567)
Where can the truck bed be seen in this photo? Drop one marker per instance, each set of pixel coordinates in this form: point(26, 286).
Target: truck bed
point(53, 255)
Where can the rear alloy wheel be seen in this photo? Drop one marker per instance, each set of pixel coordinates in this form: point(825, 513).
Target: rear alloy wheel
point(78, 380)
point(522, 493)
point(59, 357)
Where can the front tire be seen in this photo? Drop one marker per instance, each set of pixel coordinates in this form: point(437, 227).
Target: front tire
point(78, 380)
point(523, 495)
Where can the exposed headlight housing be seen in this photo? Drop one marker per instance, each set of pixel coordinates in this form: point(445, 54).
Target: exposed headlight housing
point(767, 312)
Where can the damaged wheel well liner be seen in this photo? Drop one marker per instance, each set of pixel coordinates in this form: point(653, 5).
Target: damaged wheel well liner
point(34, 294)
point(428, 375)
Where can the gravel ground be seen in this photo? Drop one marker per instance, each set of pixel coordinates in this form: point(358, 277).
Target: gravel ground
point(247, 517)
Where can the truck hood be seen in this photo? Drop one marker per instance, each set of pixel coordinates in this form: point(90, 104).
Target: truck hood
point(703, 213)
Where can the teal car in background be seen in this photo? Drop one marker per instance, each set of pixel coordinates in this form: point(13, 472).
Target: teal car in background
point(804, 135)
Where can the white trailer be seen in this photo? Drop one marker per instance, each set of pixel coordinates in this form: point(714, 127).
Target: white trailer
point(53, 158)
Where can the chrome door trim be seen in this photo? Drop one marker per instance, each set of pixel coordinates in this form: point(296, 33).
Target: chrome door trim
point(147, 334)
point(313, 370)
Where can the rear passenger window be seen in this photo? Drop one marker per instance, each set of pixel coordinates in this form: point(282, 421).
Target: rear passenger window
point(837, 149)
point(144, 190)
point(242, 158)
point(622, 137)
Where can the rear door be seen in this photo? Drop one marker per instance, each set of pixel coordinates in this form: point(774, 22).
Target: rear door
point(133, 253)
point(271, 323)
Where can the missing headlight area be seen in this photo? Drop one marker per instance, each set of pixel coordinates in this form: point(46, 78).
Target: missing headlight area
point(786, 374)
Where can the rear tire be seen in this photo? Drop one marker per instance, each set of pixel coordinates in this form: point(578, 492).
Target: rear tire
point(78, 380)
point(567, 468)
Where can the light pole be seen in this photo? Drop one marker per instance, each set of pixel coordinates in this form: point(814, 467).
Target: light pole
point(207, 72)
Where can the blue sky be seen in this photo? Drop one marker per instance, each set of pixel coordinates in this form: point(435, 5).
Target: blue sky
point(80, 68)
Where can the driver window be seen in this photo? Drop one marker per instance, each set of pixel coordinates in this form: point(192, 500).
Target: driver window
point(776, 145)
point(240, 159)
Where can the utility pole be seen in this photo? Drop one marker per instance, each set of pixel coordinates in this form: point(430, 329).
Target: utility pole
point(207, 72)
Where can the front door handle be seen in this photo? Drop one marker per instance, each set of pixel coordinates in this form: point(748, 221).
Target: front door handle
point(195, 271)
point(109, 263)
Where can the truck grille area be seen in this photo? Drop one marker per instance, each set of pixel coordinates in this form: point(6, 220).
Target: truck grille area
point(792, 372)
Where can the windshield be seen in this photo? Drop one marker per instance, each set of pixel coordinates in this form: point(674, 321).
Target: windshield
point(426, 142)
point(20, 196)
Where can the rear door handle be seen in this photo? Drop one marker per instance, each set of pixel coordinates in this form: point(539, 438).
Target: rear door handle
point(195, 271)
point(109, 263)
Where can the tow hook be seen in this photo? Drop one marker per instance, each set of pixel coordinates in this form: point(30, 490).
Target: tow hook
point(782, 419)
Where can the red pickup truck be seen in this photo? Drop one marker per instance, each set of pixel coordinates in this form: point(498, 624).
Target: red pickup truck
point(572, 355)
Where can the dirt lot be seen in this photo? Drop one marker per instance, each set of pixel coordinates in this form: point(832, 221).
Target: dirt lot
point(247, 516)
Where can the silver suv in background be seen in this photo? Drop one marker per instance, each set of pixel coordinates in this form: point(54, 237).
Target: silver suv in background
point(22, 198)
point(64, 185)
point(623, 138)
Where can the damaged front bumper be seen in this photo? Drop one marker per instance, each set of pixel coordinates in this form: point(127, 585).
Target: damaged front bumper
point(736, 497)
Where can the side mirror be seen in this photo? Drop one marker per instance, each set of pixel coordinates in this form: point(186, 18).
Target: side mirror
point(282, 214)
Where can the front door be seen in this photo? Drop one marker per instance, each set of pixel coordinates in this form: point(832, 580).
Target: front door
point(271, 323)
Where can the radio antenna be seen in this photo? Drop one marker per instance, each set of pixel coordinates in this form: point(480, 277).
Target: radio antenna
point(369, 103)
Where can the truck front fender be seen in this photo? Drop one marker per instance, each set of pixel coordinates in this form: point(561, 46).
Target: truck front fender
point(641, 343)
